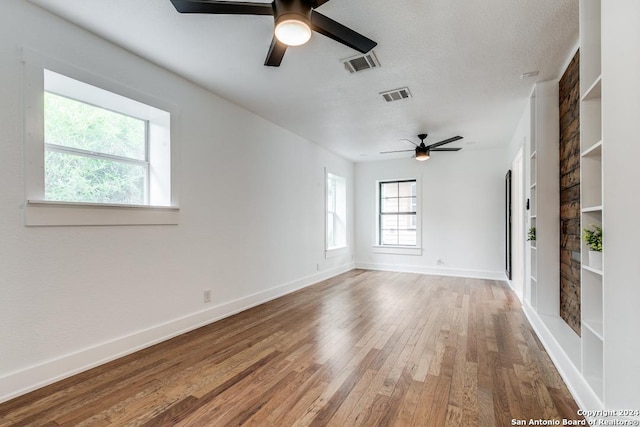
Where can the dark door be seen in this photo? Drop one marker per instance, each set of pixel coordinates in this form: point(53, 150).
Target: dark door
point(507, 225)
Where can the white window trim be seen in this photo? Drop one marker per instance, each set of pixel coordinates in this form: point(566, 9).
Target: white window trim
point(39, 212)
point(45, 213)
point(337, 250)
point(398, 250)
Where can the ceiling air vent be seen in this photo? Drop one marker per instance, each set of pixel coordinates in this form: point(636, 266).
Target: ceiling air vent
point(359, 63)
point(396, 94)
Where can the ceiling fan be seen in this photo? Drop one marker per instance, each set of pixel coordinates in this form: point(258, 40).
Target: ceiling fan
point(294, 22)
point(423, 152)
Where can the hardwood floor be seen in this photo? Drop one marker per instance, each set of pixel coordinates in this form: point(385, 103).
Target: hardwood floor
point(362, 349)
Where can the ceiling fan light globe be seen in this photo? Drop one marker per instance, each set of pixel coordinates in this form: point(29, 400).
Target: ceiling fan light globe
point(293, 32)
point(421, 156)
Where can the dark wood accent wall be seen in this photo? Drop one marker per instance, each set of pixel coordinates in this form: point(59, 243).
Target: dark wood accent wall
point(570, 194)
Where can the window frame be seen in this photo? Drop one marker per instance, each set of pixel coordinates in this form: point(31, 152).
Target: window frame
point(337, 250)
point(40, 212)
point(378, 247)
point(74, 151)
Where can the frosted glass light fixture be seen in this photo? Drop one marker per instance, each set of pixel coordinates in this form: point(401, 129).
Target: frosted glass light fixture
point(422, 155)
point(293, 32)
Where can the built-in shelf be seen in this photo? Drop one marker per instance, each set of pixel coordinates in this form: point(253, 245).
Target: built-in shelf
point(594, 91)
point(600, 365)
point(592, 209)
point(594, 150)
point(594, 326)
point(534, 263)
point(591, 269)
point(544, 202)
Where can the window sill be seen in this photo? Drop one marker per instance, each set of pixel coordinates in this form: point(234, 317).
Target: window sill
point(397, 250)
point(46, 214)
point(336, 252)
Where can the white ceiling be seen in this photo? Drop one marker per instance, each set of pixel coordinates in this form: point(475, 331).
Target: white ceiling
point(461, 60)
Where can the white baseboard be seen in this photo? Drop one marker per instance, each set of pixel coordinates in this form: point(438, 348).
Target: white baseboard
point(582, 393)
point(438, 271)
point(21, 382)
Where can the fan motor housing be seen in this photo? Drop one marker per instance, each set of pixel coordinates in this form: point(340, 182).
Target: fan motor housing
point(292, 9)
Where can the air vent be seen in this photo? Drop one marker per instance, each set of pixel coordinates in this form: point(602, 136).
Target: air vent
point(396, 94)
point(358, 63)
point(529, 74)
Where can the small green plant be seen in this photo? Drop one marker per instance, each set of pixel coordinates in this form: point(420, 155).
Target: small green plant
point(593, 237)
point(531, 235)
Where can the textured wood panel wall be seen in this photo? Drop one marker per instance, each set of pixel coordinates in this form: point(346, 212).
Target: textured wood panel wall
point(570, 194)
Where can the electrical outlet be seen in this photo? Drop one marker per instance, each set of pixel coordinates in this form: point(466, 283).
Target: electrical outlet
point(207, 295)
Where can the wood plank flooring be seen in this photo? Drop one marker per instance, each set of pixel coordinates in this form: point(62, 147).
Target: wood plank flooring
point(362, 349)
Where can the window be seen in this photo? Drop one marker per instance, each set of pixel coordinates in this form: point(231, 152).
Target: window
point(93, 155)
point(397, 209)
point(336, 212)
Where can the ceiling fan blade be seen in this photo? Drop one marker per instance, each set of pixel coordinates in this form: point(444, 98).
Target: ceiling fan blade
point(338, 32)
point(317, 3)
point(408, 140)
point(398, 151)
point(446, 141)
point(445, 149)
point(276, 53)
point(223, 7)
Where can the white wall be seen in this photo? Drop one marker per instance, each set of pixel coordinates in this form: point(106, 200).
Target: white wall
point(462, 201)
point(251, 222)
point(621, 175)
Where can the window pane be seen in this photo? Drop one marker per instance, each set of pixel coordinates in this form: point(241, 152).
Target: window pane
point(407, 237)
point(389, 222)
point(406, 222)
point(389, 189)
point(389, 205)
point(74, 124)
point(406, 204)
point(331, 194)
point(406, 189)
point(75, 178)
point(389, 237)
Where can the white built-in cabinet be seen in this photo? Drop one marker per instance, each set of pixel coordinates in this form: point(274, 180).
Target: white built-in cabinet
point(602, 366)
point(544, 199)
point(543, 296)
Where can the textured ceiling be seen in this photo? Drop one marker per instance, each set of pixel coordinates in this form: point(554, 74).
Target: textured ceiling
point(461, 60)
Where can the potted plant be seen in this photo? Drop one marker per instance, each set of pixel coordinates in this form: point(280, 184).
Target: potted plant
point(593, 238)
point(531, 235)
